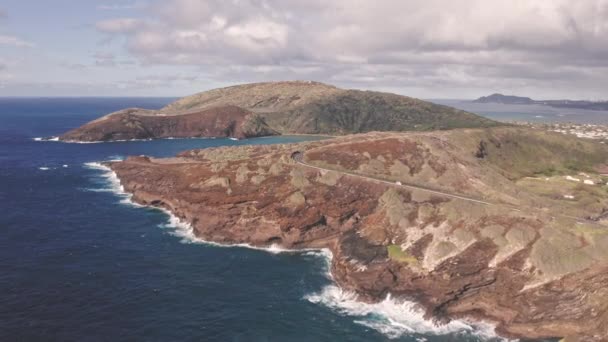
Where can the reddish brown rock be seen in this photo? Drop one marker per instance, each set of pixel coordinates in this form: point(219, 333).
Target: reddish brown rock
point(128, 124)
point(499, 252)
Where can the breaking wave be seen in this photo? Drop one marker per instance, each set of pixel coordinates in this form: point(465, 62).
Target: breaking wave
point(46, 139)
point(180, 227)
point(392, 317)
point(112, 183)
point(185, 231)
point(396, 318)
point(116, 141)
point(46, 168)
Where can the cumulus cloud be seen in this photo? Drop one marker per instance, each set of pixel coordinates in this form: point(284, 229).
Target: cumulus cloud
point(157, 81)
point(107, 59)
point(14, 41)
point(120, 25)
point(392, 43)
point(123, 6)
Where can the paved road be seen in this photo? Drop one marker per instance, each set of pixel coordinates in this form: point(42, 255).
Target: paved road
point(298, 157)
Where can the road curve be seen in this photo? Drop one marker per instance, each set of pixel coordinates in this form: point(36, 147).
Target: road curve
point(298, 157)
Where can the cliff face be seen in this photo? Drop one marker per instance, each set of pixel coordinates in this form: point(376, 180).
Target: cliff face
point(226, 121)
point(279, 107)
point(461, 233)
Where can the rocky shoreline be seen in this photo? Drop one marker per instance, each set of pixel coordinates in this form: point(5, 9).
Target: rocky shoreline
point(179, 219)
point(458, 259)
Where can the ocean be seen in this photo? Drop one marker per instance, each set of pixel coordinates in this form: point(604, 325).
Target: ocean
point(529, 113)
point(79, 262)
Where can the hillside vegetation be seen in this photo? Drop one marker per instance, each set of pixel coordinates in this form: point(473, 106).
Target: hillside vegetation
point(504, 224)
point(296, 107)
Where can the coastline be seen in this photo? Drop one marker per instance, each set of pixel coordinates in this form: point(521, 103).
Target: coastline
point(56, 138)
point(261, 195)
point(391, 316)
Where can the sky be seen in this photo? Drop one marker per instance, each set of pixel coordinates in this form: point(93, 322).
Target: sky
point(545, 49)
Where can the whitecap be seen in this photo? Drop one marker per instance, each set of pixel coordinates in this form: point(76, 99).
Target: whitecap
point(395, 317)
point(82, 142)
point(185, 231)
point(112, 182)
point(392, 317)
point(126, 140)
point(43, 168)
point(182, 228)
point(46, 139)
point(115, 157)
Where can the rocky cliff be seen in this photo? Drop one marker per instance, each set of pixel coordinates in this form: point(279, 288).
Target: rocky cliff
point(221, 121)
point(442, 218)
point(280, 107)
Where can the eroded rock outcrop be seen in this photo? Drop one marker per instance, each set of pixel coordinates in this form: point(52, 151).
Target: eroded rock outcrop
point(134, 123)
point(417, 215)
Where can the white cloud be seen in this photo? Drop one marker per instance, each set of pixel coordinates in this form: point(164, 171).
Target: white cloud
point(120, 25)
point(14, 41)
point(121, 7)
point(426, 43)
point(107, 59)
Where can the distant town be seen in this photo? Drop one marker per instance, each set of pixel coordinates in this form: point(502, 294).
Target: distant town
point(590, 131)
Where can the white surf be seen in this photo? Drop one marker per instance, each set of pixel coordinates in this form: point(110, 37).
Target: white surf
point(392, 317)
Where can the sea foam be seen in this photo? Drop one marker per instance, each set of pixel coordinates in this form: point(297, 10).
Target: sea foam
point(46, 139)
point(185, 231)
point(392, 317)
point(112, 182)
point(396, 317)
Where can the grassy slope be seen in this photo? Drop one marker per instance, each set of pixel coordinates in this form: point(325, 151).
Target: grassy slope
point(521, 152)
point(355, 111)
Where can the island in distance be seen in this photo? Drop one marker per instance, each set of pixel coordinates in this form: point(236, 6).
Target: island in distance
point(520, 100)
point(468, 217)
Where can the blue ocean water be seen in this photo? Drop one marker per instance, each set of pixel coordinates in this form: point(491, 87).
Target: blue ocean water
point(77, 264)
point(529, 113)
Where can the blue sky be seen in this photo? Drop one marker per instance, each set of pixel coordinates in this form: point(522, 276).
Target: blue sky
point(59, 52)
point(421, 48)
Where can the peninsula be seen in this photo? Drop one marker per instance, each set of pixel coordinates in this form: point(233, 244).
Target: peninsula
point(500, 223)
point(505, 225)
point(271, 108)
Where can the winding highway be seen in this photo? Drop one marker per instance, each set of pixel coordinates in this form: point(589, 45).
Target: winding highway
point(298, 157)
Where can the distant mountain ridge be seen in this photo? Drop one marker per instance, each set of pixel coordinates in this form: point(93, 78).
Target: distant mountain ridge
point(512, 99)
point(504, 99)
point(270, 108)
